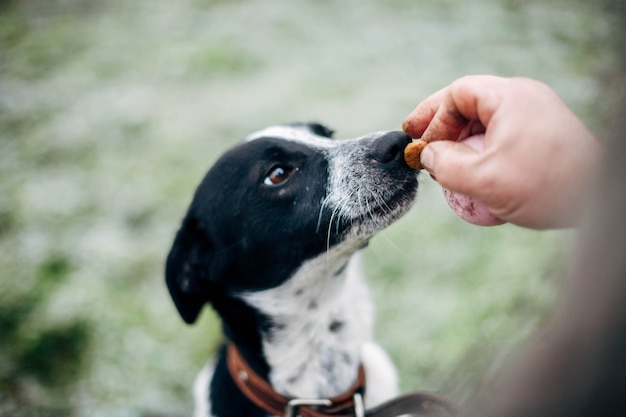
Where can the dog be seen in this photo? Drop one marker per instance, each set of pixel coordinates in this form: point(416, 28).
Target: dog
point(269, 242)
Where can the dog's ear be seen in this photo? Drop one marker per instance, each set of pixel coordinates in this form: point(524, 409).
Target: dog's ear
point(320, 130)
point(190, 268)
point(316, 128)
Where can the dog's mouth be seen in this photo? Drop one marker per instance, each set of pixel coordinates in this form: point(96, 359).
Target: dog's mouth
point(370, 185)
point(381, 203)
point(369, 207)
point(379, 210)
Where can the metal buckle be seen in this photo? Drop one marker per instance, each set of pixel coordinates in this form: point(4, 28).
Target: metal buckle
point(359, 408)
point(291, 409)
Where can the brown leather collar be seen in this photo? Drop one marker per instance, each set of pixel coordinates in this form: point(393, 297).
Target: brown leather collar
point(261, 393)
point(349, 404)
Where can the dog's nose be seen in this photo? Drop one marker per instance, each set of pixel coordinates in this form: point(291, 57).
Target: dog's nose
point(390, 146)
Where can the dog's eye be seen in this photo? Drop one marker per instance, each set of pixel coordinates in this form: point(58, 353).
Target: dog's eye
point(277, 175)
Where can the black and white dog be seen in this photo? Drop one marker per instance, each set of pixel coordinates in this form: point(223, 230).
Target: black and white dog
point(269, 241)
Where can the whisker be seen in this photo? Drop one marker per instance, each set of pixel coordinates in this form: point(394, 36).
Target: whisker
point(325, 202)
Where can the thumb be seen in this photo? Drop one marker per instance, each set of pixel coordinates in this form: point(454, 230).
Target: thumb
point(453, 165)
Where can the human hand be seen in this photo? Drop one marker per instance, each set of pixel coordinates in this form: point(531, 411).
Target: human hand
point(538, 160)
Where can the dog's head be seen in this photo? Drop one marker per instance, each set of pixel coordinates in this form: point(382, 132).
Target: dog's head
point(284, 196)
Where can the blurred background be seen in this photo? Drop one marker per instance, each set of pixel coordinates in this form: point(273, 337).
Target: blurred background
point(112, 111)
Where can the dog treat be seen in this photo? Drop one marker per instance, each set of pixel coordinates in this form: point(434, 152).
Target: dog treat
point(412, 154)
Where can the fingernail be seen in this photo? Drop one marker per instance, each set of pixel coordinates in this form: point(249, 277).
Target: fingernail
point(405, 126)
point(427, 157)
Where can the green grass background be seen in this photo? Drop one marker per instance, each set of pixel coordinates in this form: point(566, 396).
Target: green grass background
point(111, 112)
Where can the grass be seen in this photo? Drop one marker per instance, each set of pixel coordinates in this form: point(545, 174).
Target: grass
point(110, 113)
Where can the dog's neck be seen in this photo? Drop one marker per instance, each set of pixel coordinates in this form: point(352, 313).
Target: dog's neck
point(316, 325)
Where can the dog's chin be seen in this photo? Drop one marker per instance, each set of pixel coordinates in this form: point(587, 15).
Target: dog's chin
point(366, 221)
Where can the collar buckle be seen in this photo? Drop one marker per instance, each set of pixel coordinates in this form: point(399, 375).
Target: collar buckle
point(291, 409)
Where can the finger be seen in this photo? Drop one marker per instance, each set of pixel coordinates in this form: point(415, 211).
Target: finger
point(468, 100)
point(448, 121)
point(472, 129)
point(418, 120)
point(454, 165)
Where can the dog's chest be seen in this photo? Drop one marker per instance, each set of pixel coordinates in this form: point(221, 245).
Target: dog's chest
point(321, 318)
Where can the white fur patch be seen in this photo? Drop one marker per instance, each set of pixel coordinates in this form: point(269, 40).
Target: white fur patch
point(292, 133)
point(201, 392)
point(380, 373)
point(322, 322)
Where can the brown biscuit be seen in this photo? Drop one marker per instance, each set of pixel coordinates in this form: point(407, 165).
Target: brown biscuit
point(412, 154)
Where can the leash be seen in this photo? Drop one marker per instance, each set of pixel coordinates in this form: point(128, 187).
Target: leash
point(349, 404)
